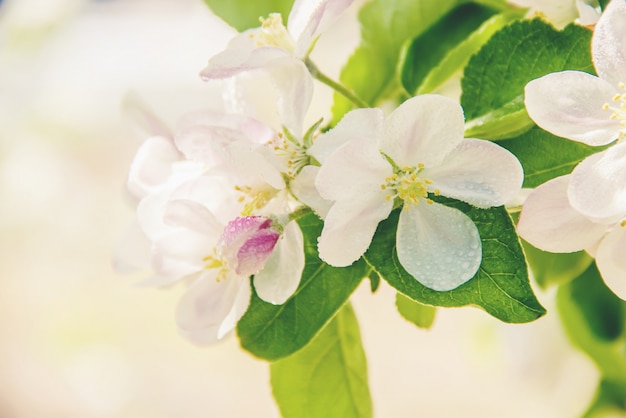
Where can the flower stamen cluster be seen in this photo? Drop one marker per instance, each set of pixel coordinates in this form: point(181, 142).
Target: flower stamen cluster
point(273, 33)
point(407, 185)
point(619, 109)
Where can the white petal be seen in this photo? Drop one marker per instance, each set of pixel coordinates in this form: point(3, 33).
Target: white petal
point(478, 172)
point(366, 124)
point(309, 18)
point(132, 252)
point(598, 185)
point(569, 104)
point(216, 193)
point(349, 228)
point(206, 305)
point(255, 164)
point(611, 261)
point(242, 301)
point(424, 129)
point(303, 188)
point(192, 216)
point(236, 60)
point(549, 222)
point(280, 277)
point(181, 252)
point(589, 12)
point(355, 169)
point(295, 91)
point(439, 246)
point(152, 165)
point(608, 45)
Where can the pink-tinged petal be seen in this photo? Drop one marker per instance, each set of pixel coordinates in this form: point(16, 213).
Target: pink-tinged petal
point(365, 124)
point(303, 188)
point(253, 130)
point(570, 104)
point(349, 228)
point(424, 129)
point(549, 222)
point(598, 185)
point(192, 216)
point(478, 172)
point(210, 308)
point(439, 246)
point(355, 169)
point(132, 253)
point(608, 44)
point(152, 165)
point(611, 261)
point(280, 277)
point(247, 242)
point(234, 61)
point(309, 18)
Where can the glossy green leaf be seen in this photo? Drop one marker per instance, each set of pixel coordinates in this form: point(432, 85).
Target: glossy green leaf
point(421, 315)
point(386, 25)
point(494, 79)
point(244, 14)
point(328, 377)
point(554, 269)
point(595, 320)
point(421, 69)
point(501, 286)
point(545, 156)
point(275, 331)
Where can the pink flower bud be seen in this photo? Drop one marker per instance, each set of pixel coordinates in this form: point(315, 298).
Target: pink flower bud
point(247, 242)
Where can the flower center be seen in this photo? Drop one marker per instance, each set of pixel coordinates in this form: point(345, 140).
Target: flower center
point(292, 153)
point(273, 33)
point(407, 185)
point(254, 198)
point(618, 106)
point(213, 261)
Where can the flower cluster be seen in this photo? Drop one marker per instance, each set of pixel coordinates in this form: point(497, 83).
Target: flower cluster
point(587, 208)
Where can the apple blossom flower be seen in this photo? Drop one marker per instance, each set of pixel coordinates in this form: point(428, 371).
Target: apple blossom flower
point(591, 110)
point(580, 106)
point(551, 223)
point(416, 153)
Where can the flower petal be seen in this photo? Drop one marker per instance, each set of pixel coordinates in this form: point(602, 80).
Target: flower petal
point(152, 165)
point(236, 60)
point(303, 188)
point(424, 129)
point(209, 304)
point(280, 277)
point(549, 222)
point(611, 261)
point(192, 216)
point(439, 246)
point(570, 104)
point(181, 252)
point(598, 185)
point(608, 45)
point(366, 124)
point(355, 169)
point(309, 18)
point(132, 252)
point(478, 172)
point(349, 228)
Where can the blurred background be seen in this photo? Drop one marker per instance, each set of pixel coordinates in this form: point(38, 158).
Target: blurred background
point(79, 341)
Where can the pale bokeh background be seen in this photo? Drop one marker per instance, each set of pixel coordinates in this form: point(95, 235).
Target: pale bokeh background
point(79, 341)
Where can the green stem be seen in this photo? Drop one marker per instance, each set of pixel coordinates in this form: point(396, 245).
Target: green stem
point(320, 76)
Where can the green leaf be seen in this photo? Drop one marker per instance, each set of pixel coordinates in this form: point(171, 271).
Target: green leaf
point(244, 14)
point(327, 378)
point(494, 79)
point(421, 315)
point(553, 269)
point(545, 156)
point(371, 72)
point(501, 286)
point(274, 331)
point(594, 319)
point(609, 401)
point(422, 58)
